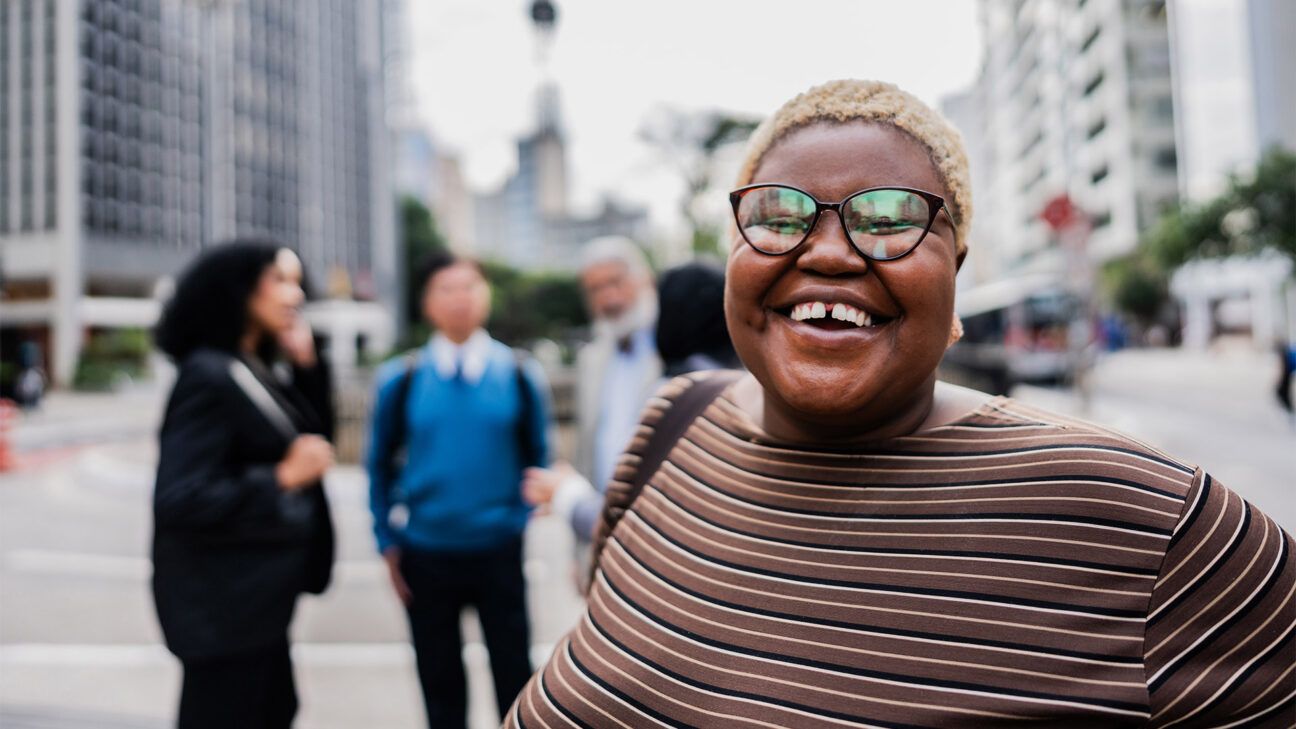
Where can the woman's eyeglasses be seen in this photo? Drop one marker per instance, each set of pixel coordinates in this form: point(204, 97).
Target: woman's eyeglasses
point(882, 223)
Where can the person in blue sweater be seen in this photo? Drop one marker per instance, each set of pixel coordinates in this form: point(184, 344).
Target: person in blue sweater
point(454, 426)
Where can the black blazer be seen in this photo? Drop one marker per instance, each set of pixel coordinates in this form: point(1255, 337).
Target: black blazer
point(231, 550)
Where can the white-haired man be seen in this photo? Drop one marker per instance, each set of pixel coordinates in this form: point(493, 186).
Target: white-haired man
point(616, 373)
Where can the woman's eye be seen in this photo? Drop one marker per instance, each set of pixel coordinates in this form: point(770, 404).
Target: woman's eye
point(882, 226)
point(784, 225)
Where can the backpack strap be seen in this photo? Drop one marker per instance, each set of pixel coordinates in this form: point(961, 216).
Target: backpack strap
point(684, 408)
point(527, 400)
point(400, 418)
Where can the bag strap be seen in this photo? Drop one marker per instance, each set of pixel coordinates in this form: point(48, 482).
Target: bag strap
point(684, 409)
point(527, 396)
point(400, 416)
point(262, 398)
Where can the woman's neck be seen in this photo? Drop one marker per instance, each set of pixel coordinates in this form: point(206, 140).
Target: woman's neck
point(932, 405)
point(250, 342)
point(872, 423)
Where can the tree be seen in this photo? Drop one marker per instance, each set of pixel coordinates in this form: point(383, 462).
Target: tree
point(1255, 213)
point(529, 306)
point(419, 240)
point(689, 142)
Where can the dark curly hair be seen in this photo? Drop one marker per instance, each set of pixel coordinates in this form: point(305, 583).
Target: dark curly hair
point(209, 306)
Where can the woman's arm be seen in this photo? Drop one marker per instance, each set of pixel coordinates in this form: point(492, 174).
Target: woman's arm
point(1219, 647)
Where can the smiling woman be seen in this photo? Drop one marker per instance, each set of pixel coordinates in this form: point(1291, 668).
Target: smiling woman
point(838, 539)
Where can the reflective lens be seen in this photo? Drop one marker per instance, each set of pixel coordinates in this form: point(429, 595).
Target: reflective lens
point(886, 224)
point(882, 224)
point(775, 219)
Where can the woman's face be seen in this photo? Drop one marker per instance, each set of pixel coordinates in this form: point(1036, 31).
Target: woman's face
point(278, 296)
point(827, 370)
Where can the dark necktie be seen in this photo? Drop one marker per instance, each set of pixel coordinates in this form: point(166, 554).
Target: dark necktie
point(626, 345)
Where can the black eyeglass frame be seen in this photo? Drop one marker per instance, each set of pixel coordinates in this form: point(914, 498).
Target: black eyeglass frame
point(935, 203)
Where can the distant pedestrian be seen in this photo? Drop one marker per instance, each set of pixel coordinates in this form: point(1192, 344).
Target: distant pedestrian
point(1286, 366)
point(691, 331)
point(455, 424)
point(616, 372)
point(241, 523)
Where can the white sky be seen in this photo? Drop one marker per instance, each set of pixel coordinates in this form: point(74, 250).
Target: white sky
point(473, 71)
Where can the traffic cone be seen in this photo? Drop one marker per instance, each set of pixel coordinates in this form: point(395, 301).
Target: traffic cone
point(8, 416)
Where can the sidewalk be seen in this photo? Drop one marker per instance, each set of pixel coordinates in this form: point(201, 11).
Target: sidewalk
point(1215, 409)
point(68, 418)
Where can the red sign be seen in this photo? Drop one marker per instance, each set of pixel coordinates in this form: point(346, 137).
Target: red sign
point(1060, 213)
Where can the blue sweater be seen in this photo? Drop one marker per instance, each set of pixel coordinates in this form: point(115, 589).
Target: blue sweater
point(462, 479)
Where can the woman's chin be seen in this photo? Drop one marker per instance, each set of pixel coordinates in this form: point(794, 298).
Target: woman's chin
point(822, 393)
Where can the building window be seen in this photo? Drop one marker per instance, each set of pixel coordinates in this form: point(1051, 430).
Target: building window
point(1093, 37)
point(1093, 84)
point(1096, 128)
point(1166, 158)
point(1099, 175)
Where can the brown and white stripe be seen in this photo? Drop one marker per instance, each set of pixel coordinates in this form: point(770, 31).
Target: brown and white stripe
point(1011, 566)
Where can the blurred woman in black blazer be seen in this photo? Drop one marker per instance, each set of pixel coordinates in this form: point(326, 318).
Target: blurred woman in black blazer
point(241, 523)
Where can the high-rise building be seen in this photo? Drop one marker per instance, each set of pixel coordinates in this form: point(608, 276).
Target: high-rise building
point(1074, 99)
point(1273, 62)
point(134, 132)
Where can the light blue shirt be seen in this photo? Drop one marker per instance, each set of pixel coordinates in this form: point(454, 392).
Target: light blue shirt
point(622, 403)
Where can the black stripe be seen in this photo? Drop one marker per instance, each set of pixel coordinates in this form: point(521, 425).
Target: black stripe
point(736, 694)
point(863, 450)
point(1236, 544)
point(1286, 707)
point(856, 485)
point(912, 680)
point(1014, 516)
point(1045, 652)
point(621, 694)
point(1241, 615)
point(1005, 556)
point(998, 426)
point(558, 704)
point(1186, 524)
point(1264, 658)
point(987, 599)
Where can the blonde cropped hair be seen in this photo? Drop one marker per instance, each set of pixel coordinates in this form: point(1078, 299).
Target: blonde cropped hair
point(838, 102)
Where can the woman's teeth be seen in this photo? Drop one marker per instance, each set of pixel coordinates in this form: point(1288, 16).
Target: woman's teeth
point(838, 311)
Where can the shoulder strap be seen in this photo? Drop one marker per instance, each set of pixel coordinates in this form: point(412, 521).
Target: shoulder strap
point(686, 408)
point(261, 398)
point(400, 415)
point(527, 396)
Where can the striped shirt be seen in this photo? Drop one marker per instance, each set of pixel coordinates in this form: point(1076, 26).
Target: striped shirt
point(1012, 566)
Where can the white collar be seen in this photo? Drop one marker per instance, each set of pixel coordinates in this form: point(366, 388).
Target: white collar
point(475, 353)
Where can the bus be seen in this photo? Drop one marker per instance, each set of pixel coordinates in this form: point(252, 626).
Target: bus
point(1023, 330)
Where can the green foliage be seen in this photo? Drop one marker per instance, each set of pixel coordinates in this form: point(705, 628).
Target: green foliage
point(111, 356)
point(1137, 286)
point(530, 306)
point(419, 239)
point(1255, 213)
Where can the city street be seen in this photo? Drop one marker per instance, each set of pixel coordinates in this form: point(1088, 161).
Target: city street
point(79, 646)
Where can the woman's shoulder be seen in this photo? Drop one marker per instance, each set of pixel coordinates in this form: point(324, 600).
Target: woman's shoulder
point(206, 365)
point(1077, 446)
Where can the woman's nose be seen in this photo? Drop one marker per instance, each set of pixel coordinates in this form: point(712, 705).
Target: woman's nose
point(828, 251)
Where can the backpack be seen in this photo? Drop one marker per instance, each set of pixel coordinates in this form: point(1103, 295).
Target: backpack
point(396, 455)
point(675, 421)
